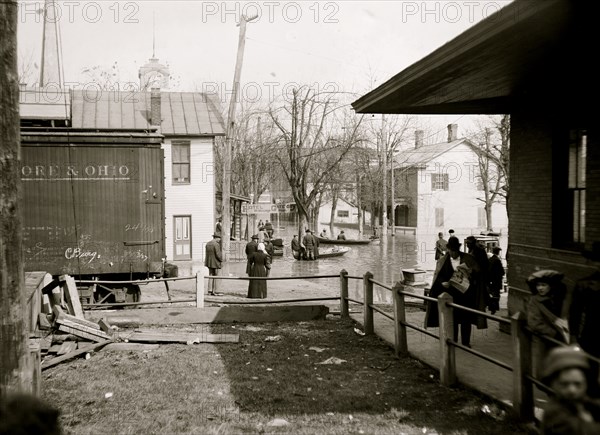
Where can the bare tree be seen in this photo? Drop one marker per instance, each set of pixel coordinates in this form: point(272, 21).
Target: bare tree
point(28, 69)
point(311, 145)
point(492, 146)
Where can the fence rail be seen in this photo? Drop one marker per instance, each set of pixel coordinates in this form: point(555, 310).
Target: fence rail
point(521, 367)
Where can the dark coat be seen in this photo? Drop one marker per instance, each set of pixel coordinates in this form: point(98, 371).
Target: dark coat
point(212, 257)
point(440, 248)
point(295, 244)
point(471, 298)
point(584, 317)
point(542, 312)
point(560, 418)
point(496, 273)
point(341, 237)
point(269, 248)
point(260, 263)
point(251, 248)
point(309, 241)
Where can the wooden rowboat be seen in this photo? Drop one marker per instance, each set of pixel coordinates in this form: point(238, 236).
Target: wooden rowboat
point(326, 253)
point(342, 242)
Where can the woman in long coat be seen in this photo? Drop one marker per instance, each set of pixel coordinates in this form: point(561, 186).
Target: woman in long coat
point(260, 263)
point(472, 298)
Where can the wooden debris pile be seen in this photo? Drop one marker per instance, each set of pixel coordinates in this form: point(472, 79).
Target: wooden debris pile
point(66, 333)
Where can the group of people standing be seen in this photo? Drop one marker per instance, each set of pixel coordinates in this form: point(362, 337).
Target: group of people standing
point(485, 281)
point(308, 248)
point(474, 293)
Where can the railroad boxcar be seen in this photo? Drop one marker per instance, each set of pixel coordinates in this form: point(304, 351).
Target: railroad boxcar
point(93, 206)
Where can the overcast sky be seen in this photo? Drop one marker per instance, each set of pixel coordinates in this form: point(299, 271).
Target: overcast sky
point(349, 46)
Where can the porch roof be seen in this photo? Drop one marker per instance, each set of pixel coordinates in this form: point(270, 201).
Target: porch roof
point(485, 69)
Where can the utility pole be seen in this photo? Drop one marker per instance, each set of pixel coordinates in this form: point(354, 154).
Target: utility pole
point(13, 329)
point(384, 201)
point(393, 195)
point(226, 185)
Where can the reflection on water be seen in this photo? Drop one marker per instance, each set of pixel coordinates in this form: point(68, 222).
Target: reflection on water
point(384, 259)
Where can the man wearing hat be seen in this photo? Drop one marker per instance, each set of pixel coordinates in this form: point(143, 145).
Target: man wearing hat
point(212, 260)
point(309, 243)
point(444, 270)
point(570, 411)
point(251, 248)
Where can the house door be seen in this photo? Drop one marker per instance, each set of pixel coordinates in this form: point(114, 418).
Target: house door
point(182, 246)
point(401, 215)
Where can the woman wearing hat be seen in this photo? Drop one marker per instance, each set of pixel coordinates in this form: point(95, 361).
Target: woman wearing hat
point(444, 270)
point(570, 411)
point(545, 312)
point(260, 263)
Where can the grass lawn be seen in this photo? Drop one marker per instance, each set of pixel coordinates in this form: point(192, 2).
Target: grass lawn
point(243, 387)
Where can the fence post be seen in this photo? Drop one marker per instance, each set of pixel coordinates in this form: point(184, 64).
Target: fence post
point(400, 340)
point(344, 294)
point(522, 386)
point(368, 301)
point(200, 288)
point(447, 350)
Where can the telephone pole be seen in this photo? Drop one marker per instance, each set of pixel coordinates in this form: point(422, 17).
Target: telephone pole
point(226, 185)
point(384, 229)
point(13, 329)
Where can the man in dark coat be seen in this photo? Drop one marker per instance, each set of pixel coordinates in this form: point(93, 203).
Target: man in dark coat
point(482, 277)
point(212, 260)
point(440, 246)
point(444, 270)
point(309, 242)
point(269, 228)
point(496, 277)
point(341, 235)
point(251, 248)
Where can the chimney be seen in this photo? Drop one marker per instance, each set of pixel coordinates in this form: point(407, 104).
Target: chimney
point(452, 132)
point(419, 138)
point(155, 116)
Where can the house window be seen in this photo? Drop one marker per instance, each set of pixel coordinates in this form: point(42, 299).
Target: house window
point(439, 181)
point(439, 217)
point(343, 213)
point(481, 218)
point(576, 182)
point(569, 191)
point(181, 162)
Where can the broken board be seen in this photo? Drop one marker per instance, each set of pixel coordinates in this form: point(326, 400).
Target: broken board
point(179, 337)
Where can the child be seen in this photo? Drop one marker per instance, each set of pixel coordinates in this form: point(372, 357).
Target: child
point(544, 312)
point(569, 411)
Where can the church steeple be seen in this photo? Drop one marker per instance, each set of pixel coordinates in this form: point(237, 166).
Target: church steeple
point(50, 73)
point(153, 74)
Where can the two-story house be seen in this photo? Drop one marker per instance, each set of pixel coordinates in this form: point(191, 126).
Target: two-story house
point(189, 122)
point(438, 187)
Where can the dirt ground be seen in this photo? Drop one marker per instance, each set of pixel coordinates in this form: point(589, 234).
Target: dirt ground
point(267, 385)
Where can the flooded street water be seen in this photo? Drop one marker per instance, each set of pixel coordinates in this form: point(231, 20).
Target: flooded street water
point(385, 259)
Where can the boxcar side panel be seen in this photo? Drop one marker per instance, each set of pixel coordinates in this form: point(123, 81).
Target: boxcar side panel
point(92, 209)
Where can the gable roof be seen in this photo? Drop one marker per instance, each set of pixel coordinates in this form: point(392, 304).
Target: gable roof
point(182, 113)
point(424, 154)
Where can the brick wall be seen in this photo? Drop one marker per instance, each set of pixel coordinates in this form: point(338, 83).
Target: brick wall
point(530, 205)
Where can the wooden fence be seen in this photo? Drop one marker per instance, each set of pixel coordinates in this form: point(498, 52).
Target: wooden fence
point(521, 338)
point(523, 380)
